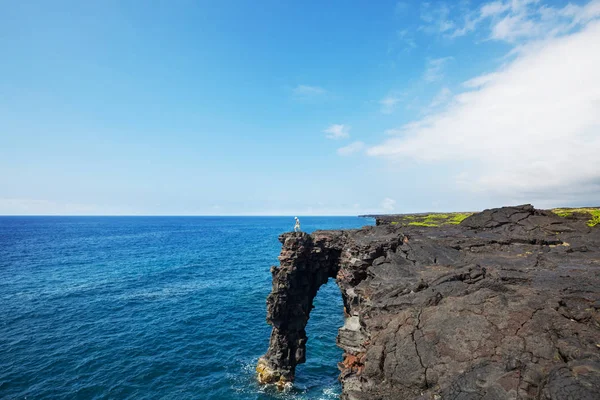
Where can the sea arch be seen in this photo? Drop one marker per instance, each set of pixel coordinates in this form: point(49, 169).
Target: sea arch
point(306, 263)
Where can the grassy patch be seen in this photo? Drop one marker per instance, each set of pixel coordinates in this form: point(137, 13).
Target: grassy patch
point(594, 213)
point(430, 220)
point(422, 224)
point(458, 218)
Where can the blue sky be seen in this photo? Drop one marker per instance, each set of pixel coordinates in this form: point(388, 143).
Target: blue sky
point(280, 108)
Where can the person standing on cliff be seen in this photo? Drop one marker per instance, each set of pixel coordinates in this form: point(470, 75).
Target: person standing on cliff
point(297, 226)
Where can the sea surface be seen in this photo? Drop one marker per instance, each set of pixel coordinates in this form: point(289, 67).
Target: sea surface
point(151, 308)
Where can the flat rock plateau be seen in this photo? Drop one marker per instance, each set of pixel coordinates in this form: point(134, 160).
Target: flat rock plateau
point(502, 304)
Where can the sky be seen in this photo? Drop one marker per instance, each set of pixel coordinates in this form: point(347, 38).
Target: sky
point(297, 107)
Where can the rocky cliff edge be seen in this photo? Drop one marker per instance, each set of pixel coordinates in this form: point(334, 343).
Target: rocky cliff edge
point(503, 305)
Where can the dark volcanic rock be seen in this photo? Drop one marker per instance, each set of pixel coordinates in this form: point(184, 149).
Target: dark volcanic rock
point(306, 262)
point(505, 305)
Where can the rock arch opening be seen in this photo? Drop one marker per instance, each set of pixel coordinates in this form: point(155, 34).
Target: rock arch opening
point(322, 354)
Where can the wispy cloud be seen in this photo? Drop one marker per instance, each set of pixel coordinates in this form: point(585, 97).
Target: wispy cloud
point(480, 81)
point(388, 104)
point(528, 130)
point(308, 91)
point(510, 21)
point(441, 98)
point(434, 69)
point(436, 18)
point(493, 9)
point(406, 38)
point(352, 148)
point(337, 131)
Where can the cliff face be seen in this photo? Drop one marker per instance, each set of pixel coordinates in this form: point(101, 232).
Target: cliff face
point(504, 305)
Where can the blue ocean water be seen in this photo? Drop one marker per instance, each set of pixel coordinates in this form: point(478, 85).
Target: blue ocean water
point(151, 308)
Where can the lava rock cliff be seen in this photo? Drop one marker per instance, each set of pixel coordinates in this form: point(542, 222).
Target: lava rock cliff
point(504, 305)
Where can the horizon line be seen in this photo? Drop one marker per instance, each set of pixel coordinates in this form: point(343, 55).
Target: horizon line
point(182, 215)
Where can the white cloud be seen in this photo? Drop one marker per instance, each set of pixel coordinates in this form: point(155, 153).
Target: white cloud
point(440, 98)
point(434, 70)
point(480, 81)
point(388, 204)
point(337, 131)
point(513, 27)
point(510, 20)
point(469, 24)
point(516, 20)
point(388, 104)
point(529, 130)
point(494, 8)
point(351, 148)
point(307, 91)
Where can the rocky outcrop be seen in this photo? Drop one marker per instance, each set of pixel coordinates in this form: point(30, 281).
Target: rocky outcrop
point(504, 305)
point(306, 262)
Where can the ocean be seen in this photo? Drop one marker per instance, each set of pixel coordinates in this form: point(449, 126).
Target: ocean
point(151, 308)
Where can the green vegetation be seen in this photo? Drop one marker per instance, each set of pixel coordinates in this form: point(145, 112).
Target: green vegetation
point(422, 224)
point(594, 213)
point(458, 218)
point(429, 220)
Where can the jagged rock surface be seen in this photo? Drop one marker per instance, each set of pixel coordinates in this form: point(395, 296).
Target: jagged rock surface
point(503, 306)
